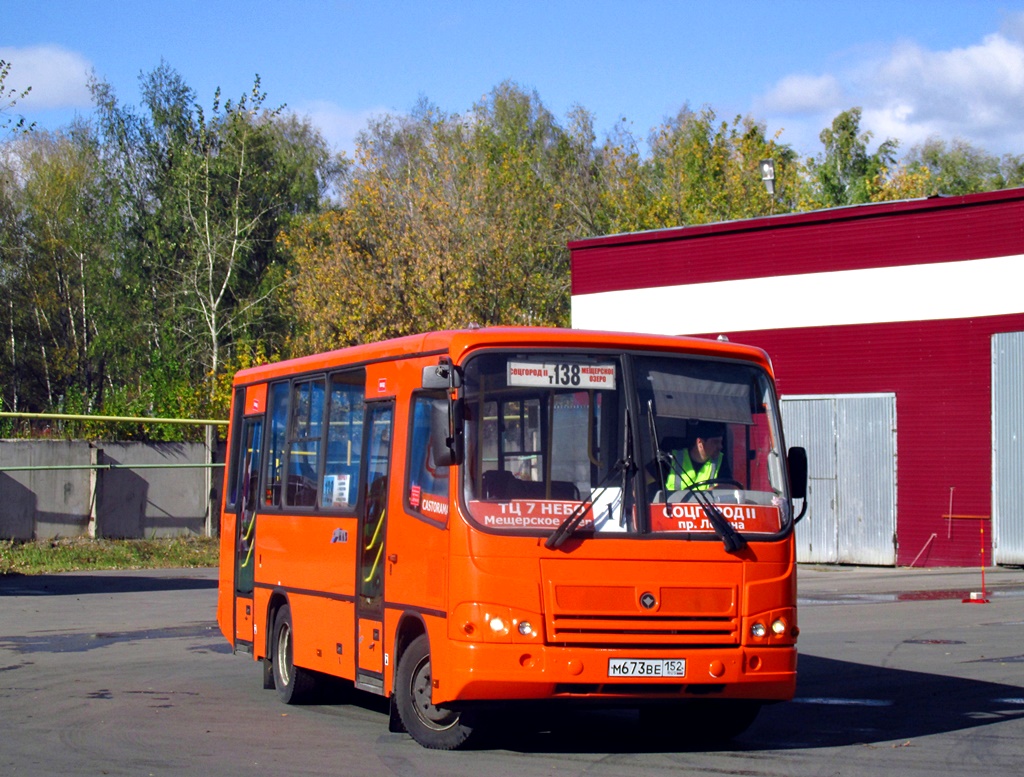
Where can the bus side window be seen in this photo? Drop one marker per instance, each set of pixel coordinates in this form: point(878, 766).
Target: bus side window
point(233, 471)
point(274, 472)
point(427, 489)
point(304, 442)
point(340, 487)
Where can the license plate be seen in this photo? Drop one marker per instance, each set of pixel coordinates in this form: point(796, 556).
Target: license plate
point(647, 667)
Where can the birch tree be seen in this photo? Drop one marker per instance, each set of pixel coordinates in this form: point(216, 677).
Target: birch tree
point(9, 100)
point(203, 197)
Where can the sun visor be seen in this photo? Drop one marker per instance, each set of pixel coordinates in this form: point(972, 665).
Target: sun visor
point(679, 396)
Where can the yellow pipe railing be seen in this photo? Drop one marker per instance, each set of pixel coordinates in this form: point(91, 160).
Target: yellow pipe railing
point(115, 418)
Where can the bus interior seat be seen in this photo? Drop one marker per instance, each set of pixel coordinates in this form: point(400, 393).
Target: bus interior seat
point(497, 484)
point(502, 484)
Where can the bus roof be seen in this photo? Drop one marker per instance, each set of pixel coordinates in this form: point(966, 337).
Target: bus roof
point(456, 343)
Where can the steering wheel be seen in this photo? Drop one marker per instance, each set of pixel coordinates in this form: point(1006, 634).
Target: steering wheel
point(710, 483)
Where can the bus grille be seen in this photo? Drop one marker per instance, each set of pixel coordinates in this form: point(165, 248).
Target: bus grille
point(568, 629)
point(660, 607)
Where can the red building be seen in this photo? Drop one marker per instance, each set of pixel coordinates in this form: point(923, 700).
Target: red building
point(897, 335)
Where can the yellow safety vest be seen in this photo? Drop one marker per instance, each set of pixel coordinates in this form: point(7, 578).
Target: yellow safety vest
point(689, 476)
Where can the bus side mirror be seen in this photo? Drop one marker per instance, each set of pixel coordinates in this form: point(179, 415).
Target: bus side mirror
point(443, 375)
point(446, 449)
point(797, 460)
point(434, 377)
point(446, 437)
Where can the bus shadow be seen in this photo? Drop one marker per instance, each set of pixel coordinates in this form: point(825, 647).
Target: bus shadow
point(838, 703)
point(71, 584)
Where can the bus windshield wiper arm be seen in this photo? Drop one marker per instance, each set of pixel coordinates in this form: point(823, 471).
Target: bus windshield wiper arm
point(568, 526)
point(731, 538)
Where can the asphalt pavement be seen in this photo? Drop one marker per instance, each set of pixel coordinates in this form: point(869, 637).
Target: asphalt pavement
point(852, 583)
point(126, 673)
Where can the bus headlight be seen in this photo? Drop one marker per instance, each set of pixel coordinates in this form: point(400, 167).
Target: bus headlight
point(775, 627)
point(481, 622)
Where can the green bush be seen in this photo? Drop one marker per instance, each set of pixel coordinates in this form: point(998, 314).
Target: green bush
point(72, 555)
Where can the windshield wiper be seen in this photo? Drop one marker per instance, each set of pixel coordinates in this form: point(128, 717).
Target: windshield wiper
point(660, 457)
point(625, 465)
point(575, 518)
point(731, 539)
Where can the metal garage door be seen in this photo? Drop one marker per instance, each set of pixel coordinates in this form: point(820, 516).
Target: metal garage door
point(1008, 447)
point(851, 513)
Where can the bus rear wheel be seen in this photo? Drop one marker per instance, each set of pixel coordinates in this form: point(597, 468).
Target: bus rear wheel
point(293, 683)
point(436, 728)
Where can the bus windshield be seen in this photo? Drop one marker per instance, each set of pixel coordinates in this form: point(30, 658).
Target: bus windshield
point(622, 445)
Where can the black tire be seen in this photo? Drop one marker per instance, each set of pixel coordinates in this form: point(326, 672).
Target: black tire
point(436, 728)
point(294, 684)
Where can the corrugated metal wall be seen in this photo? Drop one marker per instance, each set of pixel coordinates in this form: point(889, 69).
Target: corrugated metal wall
point(851, 448)
point(811, 422)
point(1008, 447)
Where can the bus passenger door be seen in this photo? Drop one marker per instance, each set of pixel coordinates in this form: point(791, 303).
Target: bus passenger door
point(245, 532)
point(372, 553)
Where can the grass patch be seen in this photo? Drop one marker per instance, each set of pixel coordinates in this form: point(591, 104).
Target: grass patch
point(78, 554)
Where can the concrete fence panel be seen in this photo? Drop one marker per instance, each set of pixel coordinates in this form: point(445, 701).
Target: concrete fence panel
point(169, 495)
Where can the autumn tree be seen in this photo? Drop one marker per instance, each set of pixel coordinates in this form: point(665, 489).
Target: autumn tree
point(148, 251)
point(903, 183)
point(449, 220)
point(524, 160)
point(959, 167)
point(845, 171)
point(700, 170)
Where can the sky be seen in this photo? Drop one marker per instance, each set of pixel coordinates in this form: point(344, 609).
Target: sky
point(951, 69)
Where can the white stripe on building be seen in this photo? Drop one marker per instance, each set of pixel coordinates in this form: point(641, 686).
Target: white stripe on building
point(920, 292)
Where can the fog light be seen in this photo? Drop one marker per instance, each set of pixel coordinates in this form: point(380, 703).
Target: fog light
point(779, 627)
point(758, 630)
point(525, 628)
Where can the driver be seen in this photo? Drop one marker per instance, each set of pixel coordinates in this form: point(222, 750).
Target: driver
point(701, 463)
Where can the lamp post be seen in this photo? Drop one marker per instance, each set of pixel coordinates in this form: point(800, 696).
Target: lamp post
point(768, 179)
point(768, 175)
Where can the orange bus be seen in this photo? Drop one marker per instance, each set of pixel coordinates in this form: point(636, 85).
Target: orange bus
point(462, 520)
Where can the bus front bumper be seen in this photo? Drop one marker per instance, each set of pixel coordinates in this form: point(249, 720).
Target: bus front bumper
point(479, 672)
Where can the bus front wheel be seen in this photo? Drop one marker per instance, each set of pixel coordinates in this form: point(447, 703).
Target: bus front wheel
point(294, 684)
point(436, 728)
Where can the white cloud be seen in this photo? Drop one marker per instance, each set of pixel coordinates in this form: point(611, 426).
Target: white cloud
point(1013, 26)
point(338, 125)
point(974, 93)
point(58, 77)
point(796, 94)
